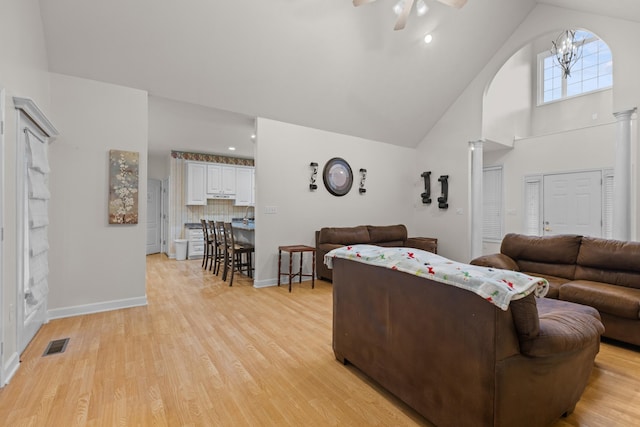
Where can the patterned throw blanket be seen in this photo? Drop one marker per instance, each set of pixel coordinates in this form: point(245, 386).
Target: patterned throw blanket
point(495, 285)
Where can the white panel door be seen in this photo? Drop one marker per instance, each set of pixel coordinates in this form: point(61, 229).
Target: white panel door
point(573, 204)
point(154, 225)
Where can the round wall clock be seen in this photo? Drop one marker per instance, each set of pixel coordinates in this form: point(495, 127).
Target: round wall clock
point(337, 176)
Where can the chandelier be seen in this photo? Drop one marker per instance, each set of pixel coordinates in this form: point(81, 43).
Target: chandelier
point(567, 51)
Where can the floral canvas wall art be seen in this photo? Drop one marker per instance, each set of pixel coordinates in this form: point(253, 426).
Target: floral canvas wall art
point(123, 187)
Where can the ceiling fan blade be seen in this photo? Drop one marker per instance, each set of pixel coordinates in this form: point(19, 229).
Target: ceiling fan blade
point(361, 2)
point(453, 3)
point(402, 19)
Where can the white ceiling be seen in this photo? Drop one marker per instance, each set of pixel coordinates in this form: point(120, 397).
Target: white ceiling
point(211, 66)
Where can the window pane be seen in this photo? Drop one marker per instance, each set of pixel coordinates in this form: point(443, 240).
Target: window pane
point(605, 68)
point(590, 60)
point(605, 81)
point(589, 85)
point(590, 72)
point(604, 55)
point(574, 89)
point(589, 49)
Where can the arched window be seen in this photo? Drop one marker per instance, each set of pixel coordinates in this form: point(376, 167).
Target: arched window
point(592, 71)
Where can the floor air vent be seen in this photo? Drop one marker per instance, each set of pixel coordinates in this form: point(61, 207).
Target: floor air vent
point(56, 346)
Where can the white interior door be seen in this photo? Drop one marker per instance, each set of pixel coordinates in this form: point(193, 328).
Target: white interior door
point(154, 225)
point(573, 204)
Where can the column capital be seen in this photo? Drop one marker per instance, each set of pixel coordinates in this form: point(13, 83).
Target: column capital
point(478, 144)
point(624, 114)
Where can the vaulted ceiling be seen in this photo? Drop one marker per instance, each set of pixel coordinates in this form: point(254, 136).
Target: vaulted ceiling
point(317, 63)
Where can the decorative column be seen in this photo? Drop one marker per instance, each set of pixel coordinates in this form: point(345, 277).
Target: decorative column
point(476, 198)
point(622, 177)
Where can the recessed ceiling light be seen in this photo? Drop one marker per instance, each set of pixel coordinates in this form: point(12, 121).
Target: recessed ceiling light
point(253, 136)
point(428, 38)
point(232, 148)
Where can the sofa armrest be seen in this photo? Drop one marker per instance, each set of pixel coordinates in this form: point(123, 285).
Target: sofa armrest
point(563, 332)
point(428, 244)
point(501, 261)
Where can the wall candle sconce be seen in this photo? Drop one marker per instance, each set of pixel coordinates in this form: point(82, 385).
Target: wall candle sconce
point(426, 196)
point(442, 200)
point(363, 176)
point(314, 174)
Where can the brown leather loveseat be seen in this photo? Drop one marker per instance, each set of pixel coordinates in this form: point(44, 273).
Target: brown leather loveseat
point(601, 273)
point(329, 238)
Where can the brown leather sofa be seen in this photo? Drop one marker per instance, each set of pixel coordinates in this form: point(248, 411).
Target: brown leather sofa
point(457, 359)
point(601, 273)
point(329, 238)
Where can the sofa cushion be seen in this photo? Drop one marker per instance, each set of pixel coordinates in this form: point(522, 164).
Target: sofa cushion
point(609, 254)
point(612, 299)
point(554, 283)
point(609, 261)
point(344, 235)
point(327, 247)
point(546, 249)
point(564, 327)
point(387, 233)
point(563, 271)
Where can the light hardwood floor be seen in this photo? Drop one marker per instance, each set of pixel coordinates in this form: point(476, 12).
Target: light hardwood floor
point(204, 354)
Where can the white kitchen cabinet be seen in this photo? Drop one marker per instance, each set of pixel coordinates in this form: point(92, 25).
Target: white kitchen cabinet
point(244, 186)
point(221, 181)
point(195, 236)
point(196, 176)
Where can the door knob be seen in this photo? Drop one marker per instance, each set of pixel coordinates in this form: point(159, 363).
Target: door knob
point(547, 229)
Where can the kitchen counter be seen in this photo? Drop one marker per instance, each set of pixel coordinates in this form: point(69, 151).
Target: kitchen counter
point(239, 225)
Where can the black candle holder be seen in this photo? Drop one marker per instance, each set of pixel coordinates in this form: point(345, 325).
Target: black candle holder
point(314, 174)
point(363, 176)
point(426, 196)
point(442, 200)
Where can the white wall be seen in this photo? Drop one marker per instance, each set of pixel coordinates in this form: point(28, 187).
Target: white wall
point(158, 166)
point(463, 122)
point(283, 155)
point(507, 105)
point(23, 73)
point(547, 154)
point(93, 265)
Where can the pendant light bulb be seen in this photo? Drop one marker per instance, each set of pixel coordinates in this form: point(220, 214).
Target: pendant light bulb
point(397, 9)
point(421, 8)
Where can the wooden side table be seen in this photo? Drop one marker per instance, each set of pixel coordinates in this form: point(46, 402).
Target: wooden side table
point(301, 249)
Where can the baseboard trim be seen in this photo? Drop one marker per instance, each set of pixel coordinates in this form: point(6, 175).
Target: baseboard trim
point(80, 310)
point(264, 283)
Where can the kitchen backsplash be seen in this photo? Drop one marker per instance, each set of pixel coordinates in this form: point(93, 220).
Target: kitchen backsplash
point(217, 210)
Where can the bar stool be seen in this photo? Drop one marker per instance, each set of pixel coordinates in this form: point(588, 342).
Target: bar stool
point(233, 255)
point(208, 244)
point(218, 245)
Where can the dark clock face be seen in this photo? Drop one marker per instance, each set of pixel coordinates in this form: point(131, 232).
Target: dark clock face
point(337, 176)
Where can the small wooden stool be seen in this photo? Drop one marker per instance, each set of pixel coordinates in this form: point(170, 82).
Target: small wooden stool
point(292, 250)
